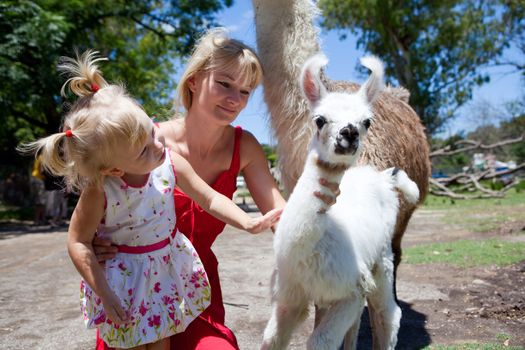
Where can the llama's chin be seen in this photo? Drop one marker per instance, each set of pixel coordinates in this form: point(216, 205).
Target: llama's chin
point(344, 148)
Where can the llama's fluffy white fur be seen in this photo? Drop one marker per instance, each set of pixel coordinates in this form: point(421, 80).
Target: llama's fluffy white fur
point(343, 257)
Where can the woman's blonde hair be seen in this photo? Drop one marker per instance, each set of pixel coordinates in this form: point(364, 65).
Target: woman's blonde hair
point(103, 117)
point(215, 50)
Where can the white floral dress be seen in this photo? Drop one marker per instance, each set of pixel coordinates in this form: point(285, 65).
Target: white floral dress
point(157, 273)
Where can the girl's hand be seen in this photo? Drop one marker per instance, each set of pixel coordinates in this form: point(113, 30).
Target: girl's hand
point(113, 308)
point(328, 199)
point(103, 249)
point(264, 222)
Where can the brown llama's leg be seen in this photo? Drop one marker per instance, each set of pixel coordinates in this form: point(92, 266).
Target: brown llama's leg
point(402, 222)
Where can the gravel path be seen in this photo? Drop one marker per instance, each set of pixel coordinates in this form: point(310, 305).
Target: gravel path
point(39, 293)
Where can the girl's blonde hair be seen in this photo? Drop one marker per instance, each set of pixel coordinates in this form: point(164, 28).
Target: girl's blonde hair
point(215, 50)
point(103, 117)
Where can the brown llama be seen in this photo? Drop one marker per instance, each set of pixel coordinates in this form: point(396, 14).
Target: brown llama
point(286, 38)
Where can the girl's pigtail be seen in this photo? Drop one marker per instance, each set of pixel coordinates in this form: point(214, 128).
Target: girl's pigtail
point(85, 78)
point(52, 153)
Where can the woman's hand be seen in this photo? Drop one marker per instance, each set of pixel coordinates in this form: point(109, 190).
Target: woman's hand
point(113, 308)
point(103, 249)
point(264, 222)
point(328, 199)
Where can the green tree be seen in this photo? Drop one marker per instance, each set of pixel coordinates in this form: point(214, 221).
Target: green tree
point(514, 128)
point(142, 39)
point(271, 154)
point(433, 48)
point(514, 14)
point(507, 124)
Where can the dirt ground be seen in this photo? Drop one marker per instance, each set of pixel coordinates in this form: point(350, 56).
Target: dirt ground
point(441, 304)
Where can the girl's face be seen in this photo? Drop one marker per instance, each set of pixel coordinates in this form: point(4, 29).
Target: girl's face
point(219, 94)
point(143, 158)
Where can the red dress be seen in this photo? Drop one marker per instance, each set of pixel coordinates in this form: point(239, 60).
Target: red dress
point(207, 332)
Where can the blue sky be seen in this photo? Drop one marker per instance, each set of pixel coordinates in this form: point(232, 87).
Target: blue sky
point(343, 57)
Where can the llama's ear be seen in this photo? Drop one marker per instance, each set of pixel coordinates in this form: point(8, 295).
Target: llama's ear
point(311, 85)
point(371, 88)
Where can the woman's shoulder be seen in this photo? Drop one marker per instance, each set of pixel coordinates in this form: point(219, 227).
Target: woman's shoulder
point(167, 126)
point(249, 140)
point(171, 130)
point(250, 149)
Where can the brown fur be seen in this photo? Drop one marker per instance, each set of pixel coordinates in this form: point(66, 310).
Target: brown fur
point(331, 168)
point(286, 37)
point(396, 138)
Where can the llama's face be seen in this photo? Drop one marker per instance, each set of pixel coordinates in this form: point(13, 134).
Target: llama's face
point(342, 119)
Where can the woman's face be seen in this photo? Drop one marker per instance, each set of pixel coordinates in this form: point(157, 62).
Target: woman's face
point(219, 94)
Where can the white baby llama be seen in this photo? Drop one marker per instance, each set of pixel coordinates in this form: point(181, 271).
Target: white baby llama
point(339, 256)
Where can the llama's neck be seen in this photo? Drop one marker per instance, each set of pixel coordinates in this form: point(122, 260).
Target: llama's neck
point(314, 170)
point(303, 222)
point(286, 37)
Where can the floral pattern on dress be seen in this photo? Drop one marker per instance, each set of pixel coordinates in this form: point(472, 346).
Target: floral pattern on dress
point(162, 291)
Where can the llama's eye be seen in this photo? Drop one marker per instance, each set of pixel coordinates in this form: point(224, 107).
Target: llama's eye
point(366, 123)
point(320, 121)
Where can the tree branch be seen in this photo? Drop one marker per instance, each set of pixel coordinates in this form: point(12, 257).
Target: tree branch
point(485, 175)
point(503, 172)
point(159, 33)
point(443, 191)
point(446, 151)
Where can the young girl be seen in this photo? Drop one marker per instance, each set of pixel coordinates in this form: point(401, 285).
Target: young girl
point(110, 151)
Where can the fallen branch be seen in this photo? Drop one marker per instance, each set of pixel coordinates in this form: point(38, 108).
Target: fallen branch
point(472, 145)
point(484, 175)
point(444, 191)
point(503, 172)
point(457, 178)
point(486, 190)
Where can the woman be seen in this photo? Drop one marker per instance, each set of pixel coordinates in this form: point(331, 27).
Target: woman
point(220, 76)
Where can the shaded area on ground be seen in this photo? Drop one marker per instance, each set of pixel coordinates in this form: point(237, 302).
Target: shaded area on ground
point(13, 228)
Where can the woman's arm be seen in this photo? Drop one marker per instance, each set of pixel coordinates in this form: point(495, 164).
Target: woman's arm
point(84, 221)
point(103, 248)
point(259, 181)
point(217, 204)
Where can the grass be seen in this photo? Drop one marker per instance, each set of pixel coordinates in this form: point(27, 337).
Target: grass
point(480, 215)
point(513, 197)
point(502, 344)
point(8, 212)
point(467, 253)
point(474, 346)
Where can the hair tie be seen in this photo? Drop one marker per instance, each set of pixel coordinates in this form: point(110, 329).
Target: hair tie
point(94, 87)
point(68, 133)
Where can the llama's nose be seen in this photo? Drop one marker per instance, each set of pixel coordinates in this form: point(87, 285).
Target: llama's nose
point(349, 133)
point(347, 141)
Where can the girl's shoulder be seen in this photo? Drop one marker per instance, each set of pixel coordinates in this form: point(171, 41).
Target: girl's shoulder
point(92, 191)
point(92, 196)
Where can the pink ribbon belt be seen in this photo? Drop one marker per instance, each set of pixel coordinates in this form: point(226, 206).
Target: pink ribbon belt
point(141, 249)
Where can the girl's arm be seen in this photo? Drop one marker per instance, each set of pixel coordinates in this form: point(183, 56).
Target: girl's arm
point(84, 221)
point(217, 204)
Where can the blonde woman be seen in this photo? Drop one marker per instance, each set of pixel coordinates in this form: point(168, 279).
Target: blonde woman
point(112, 153)
point(220, 77)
